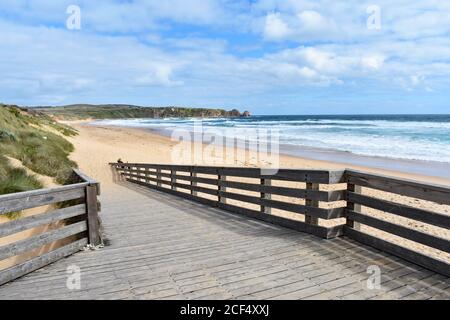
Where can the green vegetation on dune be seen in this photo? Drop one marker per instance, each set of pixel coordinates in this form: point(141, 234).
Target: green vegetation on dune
point(15, 179)
point(38, 142)
point(83, 111)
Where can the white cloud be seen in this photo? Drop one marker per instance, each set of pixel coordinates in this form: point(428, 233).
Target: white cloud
point(275, 28)
point(138, 49)
point(160, 76)
point(374, 62)
point(313, 21)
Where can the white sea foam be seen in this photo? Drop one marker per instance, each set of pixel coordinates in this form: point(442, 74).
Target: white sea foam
point(391, 138)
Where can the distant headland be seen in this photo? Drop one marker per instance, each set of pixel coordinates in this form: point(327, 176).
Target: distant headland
point(122, 111)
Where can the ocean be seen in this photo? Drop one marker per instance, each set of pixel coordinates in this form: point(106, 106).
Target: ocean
point(361, 138)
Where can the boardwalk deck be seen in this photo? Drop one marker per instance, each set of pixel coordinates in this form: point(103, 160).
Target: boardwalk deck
point(164, 247)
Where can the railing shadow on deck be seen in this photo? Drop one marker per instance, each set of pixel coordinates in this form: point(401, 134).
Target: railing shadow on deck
point(74, 207)
point(208, 185)
point(344, 255)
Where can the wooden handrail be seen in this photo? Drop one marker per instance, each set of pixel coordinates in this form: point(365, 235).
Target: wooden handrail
point(152, 176)
point(357, 216)
point(79, 214)
point(172, 181)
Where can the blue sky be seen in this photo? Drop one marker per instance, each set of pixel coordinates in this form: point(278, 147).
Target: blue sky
point(266, 56)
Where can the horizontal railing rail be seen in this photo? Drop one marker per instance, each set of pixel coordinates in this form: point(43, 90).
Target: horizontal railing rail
point(74, 207)
point(218, 185)
point(213, 190)
point(357, 216)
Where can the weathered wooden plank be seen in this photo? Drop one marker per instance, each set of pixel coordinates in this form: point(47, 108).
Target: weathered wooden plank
point(193, 176)
point(240, 197)
point(316, 176)
point(401, 231)
point(334, 232)
point(176, 237)
point(177, 185)
point(436, 265)
point(86, 178)
point(277, 220)
point(92, 215)
point(200, 189)
point(41, 261)
point(221, 189)
point(31, 199)
point(173, 180)
point(197, 179)
point(337, 176)
point(313, 176)
point(302, 175)
point(352, 206)
point(309, 219)
point(32, 193)
point(158, 177)
point(159, 182)
point(264, 195)
point(431, 192)
point(22, 246)
point(327, 196)
point(302, 209)
point(426, 216)
point(177, 193)
point(296, 225)
point(19, 225)
point(181, 168)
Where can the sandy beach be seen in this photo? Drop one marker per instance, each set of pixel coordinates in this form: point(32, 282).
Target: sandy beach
point(96, 146)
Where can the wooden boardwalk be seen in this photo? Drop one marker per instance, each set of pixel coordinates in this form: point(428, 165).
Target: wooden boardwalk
point(164, 247)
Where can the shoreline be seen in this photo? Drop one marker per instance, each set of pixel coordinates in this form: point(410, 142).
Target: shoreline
point(96, 146)
point(348, 159)
point(132, 144)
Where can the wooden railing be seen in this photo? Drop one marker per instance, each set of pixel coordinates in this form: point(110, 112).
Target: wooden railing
point(168, 178)
point(358, 202)
point(184, 181)
point(76, 212)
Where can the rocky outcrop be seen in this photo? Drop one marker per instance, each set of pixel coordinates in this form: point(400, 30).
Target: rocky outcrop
point(233, 113)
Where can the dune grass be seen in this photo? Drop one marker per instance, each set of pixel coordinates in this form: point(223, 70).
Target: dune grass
point(15, 180)
point(26, 135)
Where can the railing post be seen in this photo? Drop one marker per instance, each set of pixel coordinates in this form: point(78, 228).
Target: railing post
point(173, 180)
point(146, 173)
point(158, 176)
point(92, 215)
point(193, 183)
point(353, 206)
point(121, 172)
point(221, 188)
point(312, 203)
point(268, 196)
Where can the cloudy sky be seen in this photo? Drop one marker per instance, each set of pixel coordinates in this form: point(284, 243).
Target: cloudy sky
point(267, 56)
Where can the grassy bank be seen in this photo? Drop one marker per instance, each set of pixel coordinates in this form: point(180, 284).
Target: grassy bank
point(38, 142)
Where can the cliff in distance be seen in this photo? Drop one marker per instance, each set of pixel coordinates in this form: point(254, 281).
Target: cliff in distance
point(115, 111)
